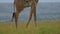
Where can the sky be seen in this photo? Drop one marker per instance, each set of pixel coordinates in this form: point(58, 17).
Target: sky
point(9, 1)
point(49, 0)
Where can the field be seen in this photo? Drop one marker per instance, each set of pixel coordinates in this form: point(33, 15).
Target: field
point(43, 27)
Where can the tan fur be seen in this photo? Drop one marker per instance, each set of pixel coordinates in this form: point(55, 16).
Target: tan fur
point(21, 4)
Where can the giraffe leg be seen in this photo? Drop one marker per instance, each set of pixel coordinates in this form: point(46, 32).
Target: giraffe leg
point(35, 16)
point(29, 18)
point(16, 17)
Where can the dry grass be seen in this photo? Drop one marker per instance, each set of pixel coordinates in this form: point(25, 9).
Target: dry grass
point(43, 27)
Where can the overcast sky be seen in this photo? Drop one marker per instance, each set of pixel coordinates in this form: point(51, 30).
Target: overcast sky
point(9, 1)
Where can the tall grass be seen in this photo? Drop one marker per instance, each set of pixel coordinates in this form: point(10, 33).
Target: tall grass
point(43, 27)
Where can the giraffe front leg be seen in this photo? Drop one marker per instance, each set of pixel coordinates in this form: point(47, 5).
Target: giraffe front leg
point(30, 17)
point(35, 16)
point(16, 17)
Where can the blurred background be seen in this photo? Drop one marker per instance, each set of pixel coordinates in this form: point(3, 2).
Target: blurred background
point(46, 10)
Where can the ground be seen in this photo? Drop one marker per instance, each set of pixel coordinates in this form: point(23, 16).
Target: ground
point(43, 27)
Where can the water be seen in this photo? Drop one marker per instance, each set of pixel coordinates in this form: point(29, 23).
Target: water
point(45, 11)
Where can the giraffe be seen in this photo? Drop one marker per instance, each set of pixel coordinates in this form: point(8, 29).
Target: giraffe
point(20, 5)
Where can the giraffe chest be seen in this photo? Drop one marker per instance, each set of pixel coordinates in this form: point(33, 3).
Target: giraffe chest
point(21, 4)
point(24, 3)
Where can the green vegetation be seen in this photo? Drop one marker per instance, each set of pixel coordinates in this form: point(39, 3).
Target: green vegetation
point(43, 27)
